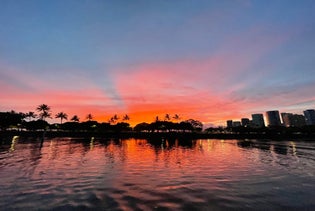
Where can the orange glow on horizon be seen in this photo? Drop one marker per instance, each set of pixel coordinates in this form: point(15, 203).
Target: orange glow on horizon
point(147, 90)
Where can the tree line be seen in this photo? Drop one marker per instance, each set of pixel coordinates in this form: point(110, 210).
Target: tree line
point(33, 121)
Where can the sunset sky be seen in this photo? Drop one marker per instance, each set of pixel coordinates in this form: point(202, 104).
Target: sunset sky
point(207, 60)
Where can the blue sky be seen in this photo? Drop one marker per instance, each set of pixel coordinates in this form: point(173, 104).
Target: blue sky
point(208, 60)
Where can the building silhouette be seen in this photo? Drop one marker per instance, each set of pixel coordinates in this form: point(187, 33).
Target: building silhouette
point(258, 121)
point(293, 120)
point(287, 119)
point(236, 123)
point(309, 116)
point(273, 118)
point(298, 120)
point(229, 123)
point(245, 122)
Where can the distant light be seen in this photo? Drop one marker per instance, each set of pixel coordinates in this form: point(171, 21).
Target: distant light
point(13, 142)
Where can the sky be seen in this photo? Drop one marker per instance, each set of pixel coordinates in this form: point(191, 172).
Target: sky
point(207, 60)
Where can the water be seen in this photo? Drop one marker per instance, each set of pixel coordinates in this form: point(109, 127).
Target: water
point(72, 174)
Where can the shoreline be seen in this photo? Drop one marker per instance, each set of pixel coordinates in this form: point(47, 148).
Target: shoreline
point(149, 135)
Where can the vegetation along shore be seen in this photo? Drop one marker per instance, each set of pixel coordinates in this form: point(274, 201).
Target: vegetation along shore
point(33, 124)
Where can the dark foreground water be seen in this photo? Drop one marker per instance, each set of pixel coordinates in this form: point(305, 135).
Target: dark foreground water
point(72, 174)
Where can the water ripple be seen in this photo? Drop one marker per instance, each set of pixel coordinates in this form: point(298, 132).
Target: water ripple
point(67, 174)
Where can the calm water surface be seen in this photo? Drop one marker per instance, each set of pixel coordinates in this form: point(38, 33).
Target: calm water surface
point(72, 174)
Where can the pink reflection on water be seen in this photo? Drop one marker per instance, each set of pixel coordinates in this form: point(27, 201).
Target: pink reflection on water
point(146, 174)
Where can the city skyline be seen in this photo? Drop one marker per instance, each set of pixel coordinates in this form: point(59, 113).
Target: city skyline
point(275, 118)
point(207, 60)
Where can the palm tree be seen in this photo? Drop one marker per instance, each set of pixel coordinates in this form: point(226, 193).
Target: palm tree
point(30, 115)
point(167, 117)
point(126, 118)
point(45, 115)
point(62, 116)
point(113, 119)
point(45, 111)
point(89, 117)
point(75, 118)
point(176, 117)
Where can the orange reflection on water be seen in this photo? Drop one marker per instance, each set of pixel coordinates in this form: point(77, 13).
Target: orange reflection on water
point(134, 169)
point(147, 174)
point(171, 153)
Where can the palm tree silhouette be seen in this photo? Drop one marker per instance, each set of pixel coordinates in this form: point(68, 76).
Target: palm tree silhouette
point(62, 116)
point(89, 117)
point(44, 111)
point(113, 119)
point(176, 117)
point(30, 115)
point(167, 117)
point(126, 118)
point(75, 118)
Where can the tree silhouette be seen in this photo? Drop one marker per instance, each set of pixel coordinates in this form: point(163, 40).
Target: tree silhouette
point(30, 115)
point(176, 117)
point(8, 119)
point(89, 117)
point(142, 127)
point(197, 125)
point(44, 111)
point(122, 126)
point(75, 118)
point(114, 119)
point(167, 117)
point(157, 119)
point(126, 118)
point(62, 116)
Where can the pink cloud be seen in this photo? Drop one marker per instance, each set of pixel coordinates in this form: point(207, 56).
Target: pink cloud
point(200, 88)
point(74, 94)
point(158, 89)
point(208, 89)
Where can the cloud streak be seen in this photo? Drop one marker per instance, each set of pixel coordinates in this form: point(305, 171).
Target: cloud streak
point(211, 61)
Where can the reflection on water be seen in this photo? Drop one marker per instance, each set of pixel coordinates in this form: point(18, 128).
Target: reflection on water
point(13, 142)
point(117, 174)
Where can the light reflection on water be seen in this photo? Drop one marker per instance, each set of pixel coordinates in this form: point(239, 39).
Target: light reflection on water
point(67, 173)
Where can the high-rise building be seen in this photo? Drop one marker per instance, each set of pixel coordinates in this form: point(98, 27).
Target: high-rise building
point(245, 122)
point(273, 118)
point(287, 119)
point(236, 123)
point(297, 120)
point(293, 120)
point(258, 120)
point(309, 116)
point(229, 123)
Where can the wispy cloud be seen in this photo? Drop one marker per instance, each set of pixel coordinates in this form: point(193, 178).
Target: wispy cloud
point(211, 61)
